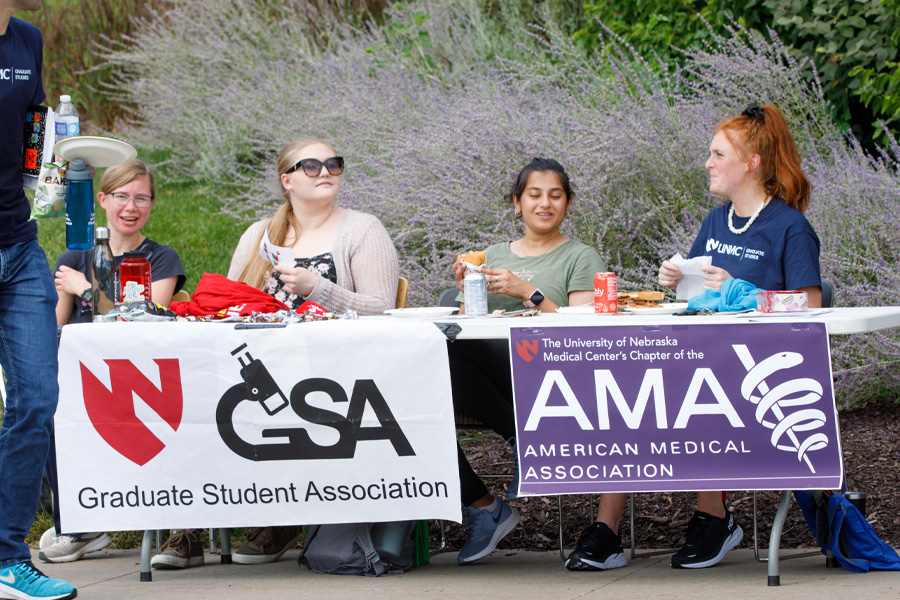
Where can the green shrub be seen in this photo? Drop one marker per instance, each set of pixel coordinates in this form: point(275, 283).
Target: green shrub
point(846, 40)
point(854, 45)
point(75, 34)
point(654, 26)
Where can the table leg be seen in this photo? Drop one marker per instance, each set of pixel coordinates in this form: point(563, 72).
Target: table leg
point(562, 542)
point(146, 549)
point(225, 538)
point(775, 537)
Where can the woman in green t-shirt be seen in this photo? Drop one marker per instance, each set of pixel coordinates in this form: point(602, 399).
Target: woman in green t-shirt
point(542, 269)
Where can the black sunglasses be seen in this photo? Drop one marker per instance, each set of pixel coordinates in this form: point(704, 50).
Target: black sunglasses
point(313, 166)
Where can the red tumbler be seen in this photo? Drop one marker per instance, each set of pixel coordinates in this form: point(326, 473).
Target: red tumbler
point(134, 278)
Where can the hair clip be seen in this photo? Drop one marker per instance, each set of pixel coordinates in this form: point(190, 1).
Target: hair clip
point(753, 111)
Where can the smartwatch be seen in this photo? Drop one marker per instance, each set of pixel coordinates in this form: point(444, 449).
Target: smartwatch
point(87, 295)
point(536, 298)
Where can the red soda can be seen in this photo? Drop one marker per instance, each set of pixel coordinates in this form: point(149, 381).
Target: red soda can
point(606, 297)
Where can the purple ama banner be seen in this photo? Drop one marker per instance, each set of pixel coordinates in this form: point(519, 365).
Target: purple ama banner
point(675, 408)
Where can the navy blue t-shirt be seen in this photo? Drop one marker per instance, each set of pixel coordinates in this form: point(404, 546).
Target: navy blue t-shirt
point(164, 263)
point(21, 55)
point(780, 251)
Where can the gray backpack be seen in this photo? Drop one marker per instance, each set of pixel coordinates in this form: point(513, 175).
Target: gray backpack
point(360, 548)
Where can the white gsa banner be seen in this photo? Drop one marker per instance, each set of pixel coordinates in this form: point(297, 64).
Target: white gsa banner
point(175, 424)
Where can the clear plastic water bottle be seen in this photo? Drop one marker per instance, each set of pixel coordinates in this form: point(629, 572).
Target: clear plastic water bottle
point(103, 272)
point(134, 278)
point(67, 124)
point(79, 206)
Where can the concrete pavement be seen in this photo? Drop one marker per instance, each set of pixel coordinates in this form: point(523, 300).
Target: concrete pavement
point(519, 575)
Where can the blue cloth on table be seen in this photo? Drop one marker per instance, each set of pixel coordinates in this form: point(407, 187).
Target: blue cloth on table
point(736, 294)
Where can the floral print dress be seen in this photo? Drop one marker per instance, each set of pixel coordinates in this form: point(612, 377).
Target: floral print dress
point(322, 265)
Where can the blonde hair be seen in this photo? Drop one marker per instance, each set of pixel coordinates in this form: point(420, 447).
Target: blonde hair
point(256, 270)
point(123, 174)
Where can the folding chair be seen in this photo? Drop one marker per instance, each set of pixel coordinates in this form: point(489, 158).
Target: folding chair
point(402, 290)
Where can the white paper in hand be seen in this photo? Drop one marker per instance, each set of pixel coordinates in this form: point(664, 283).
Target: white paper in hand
point(277, 255)
point(691, 283)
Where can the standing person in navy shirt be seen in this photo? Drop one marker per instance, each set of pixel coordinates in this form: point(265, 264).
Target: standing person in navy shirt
point(27, 319)
point(759, 235)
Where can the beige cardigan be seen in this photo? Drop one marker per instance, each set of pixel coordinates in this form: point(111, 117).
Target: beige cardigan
point(365, 259)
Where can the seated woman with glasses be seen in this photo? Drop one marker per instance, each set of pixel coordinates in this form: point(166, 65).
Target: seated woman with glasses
point(343, 260)
point(544, 269)
point(127, 193)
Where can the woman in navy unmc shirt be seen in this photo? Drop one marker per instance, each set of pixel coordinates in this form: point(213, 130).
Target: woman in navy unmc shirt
point(759, 234)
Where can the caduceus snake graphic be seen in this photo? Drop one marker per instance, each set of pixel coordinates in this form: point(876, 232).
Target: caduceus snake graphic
point(801, 391)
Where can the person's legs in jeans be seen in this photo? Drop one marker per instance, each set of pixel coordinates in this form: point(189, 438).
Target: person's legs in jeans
point(29, 359)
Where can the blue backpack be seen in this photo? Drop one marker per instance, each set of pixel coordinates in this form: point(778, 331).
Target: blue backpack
point(842, 529)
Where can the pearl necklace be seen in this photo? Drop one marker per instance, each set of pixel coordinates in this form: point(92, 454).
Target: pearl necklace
point(748, 224)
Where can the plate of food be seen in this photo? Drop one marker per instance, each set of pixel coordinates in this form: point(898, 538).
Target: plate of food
point(648, 302)
point(422, 312)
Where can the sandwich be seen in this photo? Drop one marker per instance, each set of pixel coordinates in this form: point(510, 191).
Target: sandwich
point(475, 258)
point(642, 299)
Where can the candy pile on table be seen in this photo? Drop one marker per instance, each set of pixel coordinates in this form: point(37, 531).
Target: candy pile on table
point(150, 311)
point(281, 316)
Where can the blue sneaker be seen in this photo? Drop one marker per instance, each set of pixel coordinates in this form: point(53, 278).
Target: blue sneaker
point(512, 492)
point(486, 529)
point(24, 582)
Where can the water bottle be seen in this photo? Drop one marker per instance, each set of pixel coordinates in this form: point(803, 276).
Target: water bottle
point(67, 124)
point(475, 293)
point(103, 273)
point(79, 206)
point(134, 278)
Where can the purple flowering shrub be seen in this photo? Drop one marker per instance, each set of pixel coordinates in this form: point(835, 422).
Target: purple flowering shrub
point(436, 111)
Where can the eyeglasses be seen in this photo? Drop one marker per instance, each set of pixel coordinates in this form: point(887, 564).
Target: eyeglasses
point(122, 199)
point(313, 166)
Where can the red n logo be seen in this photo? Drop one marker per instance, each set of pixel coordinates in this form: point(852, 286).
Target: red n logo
point(527, 350)
point(112, 410)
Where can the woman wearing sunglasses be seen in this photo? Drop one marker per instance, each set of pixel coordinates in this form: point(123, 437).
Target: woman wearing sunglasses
point(544, 269)
point(343, 259)
point(127, 194)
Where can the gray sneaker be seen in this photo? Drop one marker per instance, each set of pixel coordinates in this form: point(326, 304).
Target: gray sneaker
point(69, 548)
point(182, 550)
point(485, 529)
point(48, 539)
point(267, 544)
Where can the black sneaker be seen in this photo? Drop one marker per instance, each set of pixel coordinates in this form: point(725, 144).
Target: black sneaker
point(597, 549)
point(709, 539)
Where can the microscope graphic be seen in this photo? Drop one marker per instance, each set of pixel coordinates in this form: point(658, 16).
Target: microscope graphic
point(259, 387)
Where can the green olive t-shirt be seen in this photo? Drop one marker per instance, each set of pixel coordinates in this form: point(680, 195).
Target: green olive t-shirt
point(569, 268)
